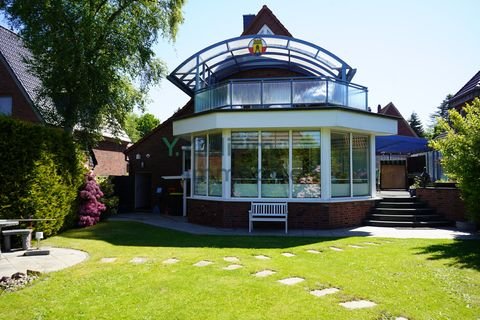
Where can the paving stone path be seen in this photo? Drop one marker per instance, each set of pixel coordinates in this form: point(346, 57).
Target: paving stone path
point(108, 260)
point(203, 263)
point(358, 304)
point(324, 292)
point(138, 260)
point(171, 261)
point(336, 249)
point(288, 254)
point(291, 281)
point(264, 273)
point(262, 257)
point(233, 267)
point(355, 246)
point(313, 251)
point(231, 259)
point(371, 243)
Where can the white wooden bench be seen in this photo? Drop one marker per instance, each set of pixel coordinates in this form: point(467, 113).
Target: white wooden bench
point(268, 211)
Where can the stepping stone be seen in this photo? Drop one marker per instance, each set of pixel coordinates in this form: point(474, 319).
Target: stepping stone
point(108, 260)
point(171, 261)
point(336, 249)
point(401, 318)
point(231, 259)
point(313, 251)
point(371, 243)
point(358, 304)
point(262, 257)
point(264, 273)
point(288, 254)
point(203, 263)
point(355, 246)
point(233, 267)
point(291, 281)
point(324, 292)
point(138, 260)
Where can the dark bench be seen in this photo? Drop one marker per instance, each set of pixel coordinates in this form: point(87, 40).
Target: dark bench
point(26, 235)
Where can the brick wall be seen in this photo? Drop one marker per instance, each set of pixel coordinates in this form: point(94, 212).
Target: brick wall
point(21, 108)
point(446, 201)
point(110, 158)
point(300, 215)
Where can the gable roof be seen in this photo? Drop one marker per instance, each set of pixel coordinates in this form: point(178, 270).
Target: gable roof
point(468, 92)
point(266, 17)
point(14, 54)
point(403, 128)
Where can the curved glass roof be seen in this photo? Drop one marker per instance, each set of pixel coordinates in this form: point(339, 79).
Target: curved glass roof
point(220, 60)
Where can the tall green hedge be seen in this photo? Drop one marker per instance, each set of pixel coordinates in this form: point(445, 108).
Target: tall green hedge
point(40, 174)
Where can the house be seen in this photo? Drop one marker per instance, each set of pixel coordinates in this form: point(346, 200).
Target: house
point(19, 99)
point(400, 157)
point(271, 118)
point(466, 94)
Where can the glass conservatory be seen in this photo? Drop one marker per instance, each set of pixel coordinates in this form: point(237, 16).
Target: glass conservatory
point(276, 119)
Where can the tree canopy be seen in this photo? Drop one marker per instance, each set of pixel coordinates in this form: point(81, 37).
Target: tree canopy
point(416, 124)
point(94, 58)
point(440, 113)
point(460, 149)
point(139, 126)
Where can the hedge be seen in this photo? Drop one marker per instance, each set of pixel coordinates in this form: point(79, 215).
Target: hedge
point(40, 174)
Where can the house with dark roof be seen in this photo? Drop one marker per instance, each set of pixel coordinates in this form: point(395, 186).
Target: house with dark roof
point(272, 118)
point(466, 94)
point(19, 99)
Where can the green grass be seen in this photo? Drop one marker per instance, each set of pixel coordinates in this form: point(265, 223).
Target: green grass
point(417, 279)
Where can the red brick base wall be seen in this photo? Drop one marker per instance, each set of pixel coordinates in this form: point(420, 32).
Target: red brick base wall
point(446, 201)
point(300, 215)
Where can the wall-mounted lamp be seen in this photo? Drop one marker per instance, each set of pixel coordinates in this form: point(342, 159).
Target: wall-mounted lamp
point(138, 156)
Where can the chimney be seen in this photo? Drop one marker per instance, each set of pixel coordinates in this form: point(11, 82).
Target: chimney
point(379, 107)
point(247, 20)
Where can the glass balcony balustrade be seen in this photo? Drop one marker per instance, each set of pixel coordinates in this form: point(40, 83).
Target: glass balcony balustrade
point(281, 93)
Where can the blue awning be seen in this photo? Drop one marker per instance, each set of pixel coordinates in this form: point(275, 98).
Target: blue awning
point(400, 144)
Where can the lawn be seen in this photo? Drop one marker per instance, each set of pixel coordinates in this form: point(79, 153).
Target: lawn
point(413, 278)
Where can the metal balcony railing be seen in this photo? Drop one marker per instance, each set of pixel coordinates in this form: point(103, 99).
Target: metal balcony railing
point(281, 93)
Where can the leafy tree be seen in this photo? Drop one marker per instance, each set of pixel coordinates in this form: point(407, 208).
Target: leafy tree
point(95, 57)
point(130, 126)
point(146, 123)
point(440, 113)
point(416, 124)
point(460, 150)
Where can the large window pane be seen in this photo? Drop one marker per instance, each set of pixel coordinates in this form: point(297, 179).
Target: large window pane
point(200, 166)
point(360, 165)
point(6, 106)
point(215, 165)
point(340, 144)
point(274, 165)
point(306, 164)
point(244, 164)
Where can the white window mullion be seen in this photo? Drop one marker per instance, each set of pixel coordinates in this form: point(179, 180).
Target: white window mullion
point(326, 164)
point(351, 165)
point(290, 158)
point(226, 164)
point(207, 165)
point(259, 167)
point(192, 164)
point(373, 170)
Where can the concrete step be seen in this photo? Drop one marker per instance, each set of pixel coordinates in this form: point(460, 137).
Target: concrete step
point(408, 224)
point(400, 211)
point(389, 204)
point(399, 199)
point(405, 217)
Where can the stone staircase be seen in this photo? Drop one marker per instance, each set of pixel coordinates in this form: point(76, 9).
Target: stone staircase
point(404, 212)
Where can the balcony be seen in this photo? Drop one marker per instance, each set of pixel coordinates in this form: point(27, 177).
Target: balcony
point(281, 93)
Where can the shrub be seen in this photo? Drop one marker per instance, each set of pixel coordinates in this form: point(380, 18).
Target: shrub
point(90, 205)
point(40, 173)
point(109, 199)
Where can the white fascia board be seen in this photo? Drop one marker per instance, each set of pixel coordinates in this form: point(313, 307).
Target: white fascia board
point(302, 119)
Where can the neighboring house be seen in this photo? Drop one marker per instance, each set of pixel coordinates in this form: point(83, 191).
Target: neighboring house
point(466, 94)
point(275, 119)
point(18, 99)
point(400, 157)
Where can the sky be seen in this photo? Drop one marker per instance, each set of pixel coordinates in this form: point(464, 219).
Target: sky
point(411, 53)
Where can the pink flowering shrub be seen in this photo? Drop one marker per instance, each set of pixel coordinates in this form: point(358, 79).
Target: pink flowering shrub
point(90, 206)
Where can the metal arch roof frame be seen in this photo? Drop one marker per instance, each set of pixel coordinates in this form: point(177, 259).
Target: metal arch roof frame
point(196, 62)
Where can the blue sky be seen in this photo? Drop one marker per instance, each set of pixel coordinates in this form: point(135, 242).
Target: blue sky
point(412, 53)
